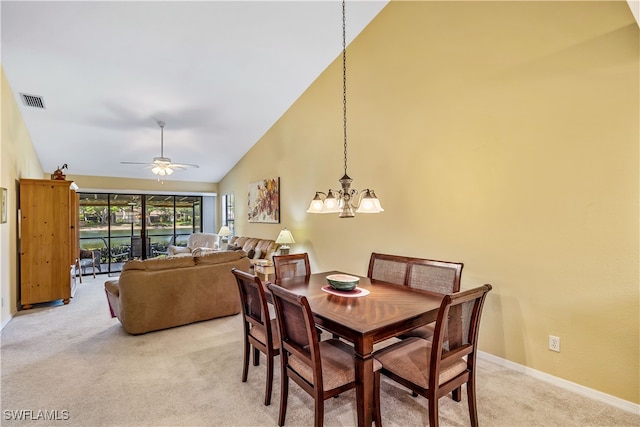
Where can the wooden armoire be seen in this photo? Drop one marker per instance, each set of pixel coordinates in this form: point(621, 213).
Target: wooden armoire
point(49, 240)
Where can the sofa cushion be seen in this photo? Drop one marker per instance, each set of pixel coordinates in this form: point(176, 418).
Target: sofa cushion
point(219, 257)
point(239, 241)
point(155, 264)
point(197, 252)
point(250, 243)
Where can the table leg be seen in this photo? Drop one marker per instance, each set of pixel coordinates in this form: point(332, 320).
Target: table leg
point(364, 387)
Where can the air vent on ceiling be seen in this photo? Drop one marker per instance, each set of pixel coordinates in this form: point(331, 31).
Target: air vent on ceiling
point(32, 100)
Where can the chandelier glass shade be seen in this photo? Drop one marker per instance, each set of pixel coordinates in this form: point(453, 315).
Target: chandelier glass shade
point(341, 200)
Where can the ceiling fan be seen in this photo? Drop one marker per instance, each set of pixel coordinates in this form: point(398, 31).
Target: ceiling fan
point(162, 165)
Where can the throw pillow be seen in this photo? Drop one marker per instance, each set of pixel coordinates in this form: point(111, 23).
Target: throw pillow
point(179, 250)
point(231, 247)
point(250, 253)
point(257, 254)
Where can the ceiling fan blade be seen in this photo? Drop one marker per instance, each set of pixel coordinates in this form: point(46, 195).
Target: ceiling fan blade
point(183, 165)
point(136, 163)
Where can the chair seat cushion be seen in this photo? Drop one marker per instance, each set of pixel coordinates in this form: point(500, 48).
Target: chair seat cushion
point(425, 332)
point(337, 364)
point(260, 335)
point(410, 359)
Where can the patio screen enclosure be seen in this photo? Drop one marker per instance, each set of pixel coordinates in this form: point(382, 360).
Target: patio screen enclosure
point(130, 226)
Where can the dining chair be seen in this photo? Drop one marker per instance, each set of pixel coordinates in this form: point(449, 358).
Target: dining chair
point(442, 277)
point(260, 331)
point(88, 258)
point(388, 268)
point(435, 368)
point(323, 369)
point(291, 265)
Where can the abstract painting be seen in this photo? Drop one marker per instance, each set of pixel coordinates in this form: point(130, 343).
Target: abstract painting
point(264, 201)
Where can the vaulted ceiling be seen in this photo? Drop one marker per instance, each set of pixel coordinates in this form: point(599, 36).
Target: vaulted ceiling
point(219, 73)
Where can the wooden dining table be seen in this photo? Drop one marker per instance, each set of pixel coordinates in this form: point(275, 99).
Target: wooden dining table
point(386, 311)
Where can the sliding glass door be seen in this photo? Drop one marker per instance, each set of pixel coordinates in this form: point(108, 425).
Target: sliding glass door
point(136, 226)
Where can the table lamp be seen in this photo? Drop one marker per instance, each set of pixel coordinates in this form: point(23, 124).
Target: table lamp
point(284, 238)
point(224, 234)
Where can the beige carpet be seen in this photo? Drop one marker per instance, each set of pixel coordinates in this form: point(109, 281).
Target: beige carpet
point(77, 363)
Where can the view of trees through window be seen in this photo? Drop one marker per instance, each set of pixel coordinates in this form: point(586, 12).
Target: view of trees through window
point(128, 226)
point(228, 215)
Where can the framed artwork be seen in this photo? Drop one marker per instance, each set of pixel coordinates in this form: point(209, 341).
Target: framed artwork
point(4, 205)
point(264, 201)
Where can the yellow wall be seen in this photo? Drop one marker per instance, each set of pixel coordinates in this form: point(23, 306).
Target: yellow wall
point(501, 134)
point(18, 160)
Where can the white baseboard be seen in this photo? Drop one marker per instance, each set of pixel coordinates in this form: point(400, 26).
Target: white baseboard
point(5, 323)
point(568, 385)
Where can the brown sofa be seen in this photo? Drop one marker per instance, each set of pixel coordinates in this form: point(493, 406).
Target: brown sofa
point(251, 245)
point(165, 292)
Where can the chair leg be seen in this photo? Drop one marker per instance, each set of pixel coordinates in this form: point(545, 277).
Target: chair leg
point(245, 365)
point(376, 399)
point(471, 398)
point(284, 394)
point(79, 269)
point(319, 412)
point(433, 410)
point(267, 393)
point(457, 394)
point(256, 356)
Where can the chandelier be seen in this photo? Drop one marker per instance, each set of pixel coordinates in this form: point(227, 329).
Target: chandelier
point(340, 201)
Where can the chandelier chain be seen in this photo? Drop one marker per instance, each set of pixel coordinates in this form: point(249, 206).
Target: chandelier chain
point(344, 83)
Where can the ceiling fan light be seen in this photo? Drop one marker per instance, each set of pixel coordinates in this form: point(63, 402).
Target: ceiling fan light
point(156, 170)
point(168, 170)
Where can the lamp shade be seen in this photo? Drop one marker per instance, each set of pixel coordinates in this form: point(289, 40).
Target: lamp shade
point(316, 205)
point(285, 237)
point(224, 231)
point(331, 204)
point(369, 203)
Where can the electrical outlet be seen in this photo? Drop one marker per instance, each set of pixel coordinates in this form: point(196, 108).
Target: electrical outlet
point(554, 343)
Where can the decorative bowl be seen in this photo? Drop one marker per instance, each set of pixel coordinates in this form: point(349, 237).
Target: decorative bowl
point(342, 282)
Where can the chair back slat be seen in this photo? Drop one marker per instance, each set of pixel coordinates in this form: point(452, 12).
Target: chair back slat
point(388, 268)
point(292, 265)
point(442, 277)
